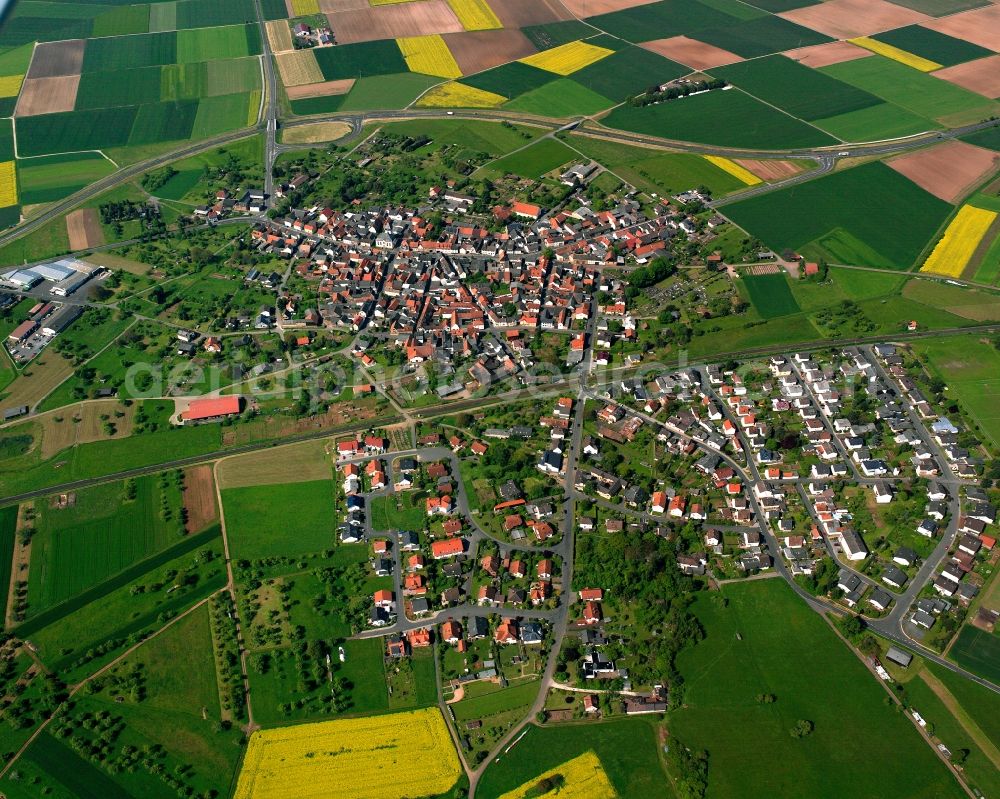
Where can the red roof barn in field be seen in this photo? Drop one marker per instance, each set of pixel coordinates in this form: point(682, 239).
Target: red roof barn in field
point(201, 410)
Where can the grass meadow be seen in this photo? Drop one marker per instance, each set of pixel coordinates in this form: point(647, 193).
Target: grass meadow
point(978, 651)
point(761, 638)
point(770, 295)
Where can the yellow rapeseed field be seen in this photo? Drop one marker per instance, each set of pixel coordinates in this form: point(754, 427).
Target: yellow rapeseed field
point(896, 54)
point(567, 58)
point(378, 757)
point(429, 55)
point(475, 15)
point(959, 242)
point(583, 778)
point(8, 184)
point(10, 85)
point(304, 7)
point(734, 169)
point(458, 95)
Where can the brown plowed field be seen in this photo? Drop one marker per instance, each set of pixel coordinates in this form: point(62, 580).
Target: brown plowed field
point(47, 95)
point(84, 229)
point(844, 19)
point(591, 8)
point(521, 13)
point(57, 58)
point(767, 169)
point(982, 76)
point(199, 498)
point(324, 89)
point(823, 55)
point(390, 22)
point(948, 170)
point(981, 26)
point(332, 6)
point(689, 52)
point(475, 51)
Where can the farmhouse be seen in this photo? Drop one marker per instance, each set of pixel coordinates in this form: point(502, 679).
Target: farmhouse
point(211, 410)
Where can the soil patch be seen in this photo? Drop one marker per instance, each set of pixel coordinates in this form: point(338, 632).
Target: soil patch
point(84, 229)
point(694, 54)
point(279, 35)
point(767, 169)
point(47, 95)
point(522, 13)
point(844, 19)
point(390, 22)
point(982, 76)
point(823, 55)
point(199, 498)
point(948, 170)
point(316, 132)
point(57, 58)
point(476, 51)
point(324, 89)
point(981, 26)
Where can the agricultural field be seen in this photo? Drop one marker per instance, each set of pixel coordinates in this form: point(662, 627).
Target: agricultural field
point(760, 638)
point(770, 295)
point(625, 748)
point(978, 651)
point(952, 254)
point(535, 161)
point(379, 757)
point(869, 215)
point(259, 525)
point(970, 368)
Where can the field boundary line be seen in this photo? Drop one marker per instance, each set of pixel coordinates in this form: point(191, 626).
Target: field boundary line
point(979, 737)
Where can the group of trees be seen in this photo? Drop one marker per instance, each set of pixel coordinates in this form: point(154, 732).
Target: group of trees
point(656, 94)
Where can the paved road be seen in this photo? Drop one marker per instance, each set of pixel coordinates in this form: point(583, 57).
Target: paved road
point(270, 116)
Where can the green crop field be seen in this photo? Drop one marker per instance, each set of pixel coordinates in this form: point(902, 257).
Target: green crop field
point(977, 650)
point(260, 525)
point(122, 21)
point(510, 80)
point(123, 87)
point(103, 533)
point(771, 295)
point(228, 112)
point(663, 173)
point(71, 131)
point(918, 92)
point(317, 105)
point(358, 60)
point(537, 160)
point(971, 370)
point(882, 121)
point(777, 6)
point(386, 91)
point(802, 92)
point(748, 122)
point(933, 46)
point(989, 138)
point(170, 121)
point(869, 216)
point(560, 98)
point(627, 749)
point(7, 139)
point(196, 14)
point(207, 44)
point(629, 71)
point(553, 34)
point(940, 8)
point(129, 52)
point(764, 639)
point(49, 178)
point(661, 20)
point(761, 36)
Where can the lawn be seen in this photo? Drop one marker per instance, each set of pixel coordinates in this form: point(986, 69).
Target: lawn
point(917, 92)
point(749, 122)
point(771, 295)
point(76, 548)
point(760, 638)
point(869, 215)
point(410, 514)
point(627, 749)
point(971, 370)
point(534, 161)
point(802, 92)
point(481, 707)
point(283, 519)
